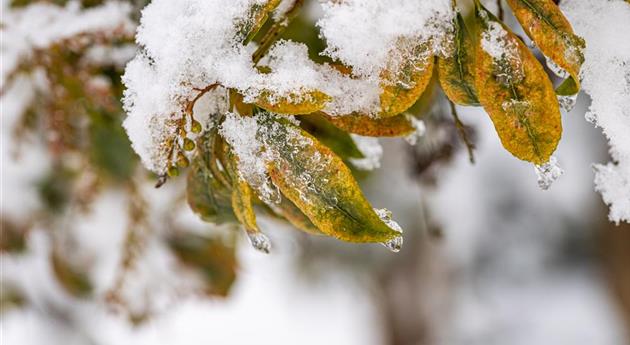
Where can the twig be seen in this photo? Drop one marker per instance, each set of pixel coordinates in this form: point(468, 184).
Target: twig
point(500, 10)
point(461, 128)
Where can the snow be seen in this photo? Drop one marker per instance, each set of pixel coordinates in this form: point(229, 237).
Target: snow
point(40, 25)
point(363, 34)
point(504, 52)
point(605, 78)
point(548, 173)
point(371, 150)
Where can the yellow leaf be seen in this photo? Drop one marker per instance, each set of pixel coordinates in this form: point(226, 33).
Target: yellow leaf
point(456, 71)
point(320, 185)
point(395, 126)
point(402, 85)
point(545, 24)
point(287, 210)
point(515, 91)
point(294, 103)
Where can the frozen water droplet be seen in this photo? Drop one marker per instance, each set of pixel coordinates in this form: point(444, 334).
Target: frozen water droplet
point(259, 241)
point(591, 117)
point(567, 102)
point(394, 244)
point(557, 70)
point(386, 216)
point(548, 173)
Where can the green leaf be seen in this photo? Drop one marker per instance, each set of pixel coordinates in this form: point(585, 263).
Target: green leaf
point(545, 24)
point(210, 199)
point(212, 258)
point(515, 91)
point(456, 72)
point(320, 184)
point(337, 140)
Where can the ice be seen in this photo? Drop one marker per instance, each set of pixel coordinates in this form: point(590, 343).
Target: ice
point(567, 102)
point(420, 129)
point(396, 243)
point(504, 52)
point(372, 152)
point(259, 241)
point(548, 173)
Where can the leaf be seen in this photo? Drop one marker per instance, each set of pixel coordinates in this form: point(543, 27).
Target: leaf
point(515, 91)
point(213, 259)
point(294, 103)
point(257, 17)
point(456, 72)
point(71, 279)
point(395, 126)
point(318, 183)
point(209, 198)
point(545, 24)
point(402, 86)
point(287, 210)
point(338, 141)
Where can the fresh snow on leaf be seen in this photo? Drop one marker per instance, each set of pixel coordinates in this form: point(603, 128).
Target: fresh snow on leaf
point(606, 79)
point(372, 152)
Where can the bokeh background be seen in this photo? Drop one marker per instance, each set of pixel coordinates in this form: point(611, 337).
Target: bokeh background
point(91, 253)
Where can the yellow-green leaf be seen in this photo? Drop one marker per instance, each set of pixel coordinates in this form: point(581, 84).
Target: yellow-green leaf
point(401, 87)
point(294, 103)
point(258, 14)
point(210, 199)
point(318, 183)
point(336, 139)
point(212, 258)
point(395, 126)
point(515, 91)
point(74, 281)
point(287, 210)
point(545, 24)
point(456, 71)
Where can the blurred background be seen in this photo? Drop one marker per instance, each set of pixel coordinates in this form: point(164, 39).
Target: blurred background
point(91, 253)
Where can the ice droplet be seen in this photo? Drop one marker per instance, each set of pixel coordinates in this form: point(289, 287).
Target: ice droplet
point(548, 173)
point(259, 241)
point(567, 102)
point(386, 216)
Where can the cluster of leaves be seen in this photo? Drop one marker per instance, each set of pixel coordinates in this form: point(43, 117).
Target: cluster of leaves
point(76, 115)
point(509, 82)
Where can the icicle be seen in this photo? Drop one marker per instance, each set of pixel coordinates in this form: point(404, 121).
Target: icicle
point(259, 241)
point(386, 216)
point(567, 102)
point(548, 173)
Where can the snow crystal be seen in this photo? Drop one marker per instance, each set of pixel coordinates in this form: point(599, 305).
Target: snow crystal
point(259, 241)
point(504, 52)
point(605, 77)
point(362, 34)
point(372, 152)
point(548, 173)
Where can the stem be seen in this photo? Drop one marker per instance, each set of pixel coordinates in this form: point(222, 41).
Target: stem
point(461, 128)
point(276, 30)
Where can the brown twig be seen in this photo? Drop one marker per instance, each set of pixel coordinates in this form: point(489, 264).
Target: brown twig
point(461, 128)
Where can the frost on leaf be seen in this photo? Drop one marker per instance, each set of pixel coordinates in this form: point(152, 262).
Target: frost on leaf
point(309, 174)
point(545, 24)
point(515, 91)
point(606, 79)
